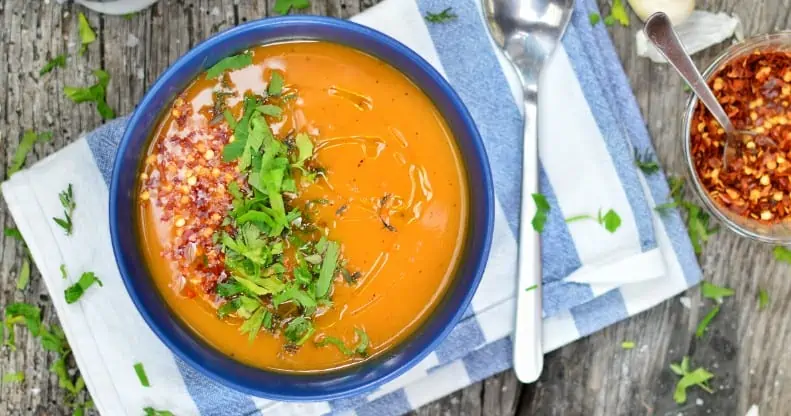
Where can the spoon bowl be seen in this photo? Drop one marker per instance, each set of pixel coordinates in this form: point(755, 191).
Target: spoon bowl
point(528, 32)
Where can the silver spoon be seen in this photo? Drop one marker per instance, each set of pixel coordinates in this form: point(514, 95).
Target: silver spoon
point(528, 31)
point(659, 31)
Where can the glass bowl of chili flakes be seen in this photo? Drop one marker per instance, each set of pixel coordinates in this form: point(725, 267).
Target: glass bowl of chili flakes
point(751, 195)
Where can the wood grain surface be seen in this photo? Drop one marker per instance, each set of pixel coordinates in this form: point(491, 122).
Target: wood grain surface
point(746, 348)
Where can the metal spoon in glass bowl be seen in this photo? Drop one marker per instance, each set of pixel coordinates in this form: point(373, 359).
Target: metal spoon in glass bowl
point(659, 31)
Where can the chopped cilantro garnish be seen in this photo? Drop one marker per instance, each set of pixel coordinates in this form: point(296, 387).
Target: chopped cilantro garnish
point(782, 254)
point(26, 313)
point(56, 62)
point(283, 6)
point(13, 233)
point(150, 411)
point(53, 339)
point(594, 18)
point(610, 221)
point(609, 20)
point(67, 201)
point(529, 288)
point(96, 93)
point(74, 292)
point(29, 139)
point(619, 13)
point(714, 292)
point(299, 330)
point(627, 345)
point(704, 323)
point(542, 210)
point(359, 349)
point(763, 299)
point(23, 278)
point(141, 374)
point(698, 226)
point(645, 162)
point(697, 377)
point(87, 35)
point(16, 377)
point(229, 64)
point(665, 207)
point(327, 269)
point(276, 83)
point(442, 17)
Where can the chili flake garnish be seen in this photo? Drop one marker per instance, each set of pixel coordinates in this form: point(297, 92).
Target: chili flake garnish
point(755, 91)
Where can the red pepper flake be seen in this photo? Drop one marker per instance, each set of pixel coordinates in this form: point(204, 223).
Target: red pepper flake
point(755, 91)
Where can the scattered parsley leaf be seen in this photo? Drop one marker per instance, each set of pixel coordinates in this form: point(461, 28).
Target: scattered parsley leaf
point(229, 63)
point(645, 162)
point(64, 379)
point(362, 345)
point(96, 93)
point(304, 149)
point(276, 83)
point(75, 291)
point(24, 275)
point(16, 377)
point(56, 62)
point(594, 18)
point(619, 13)
point(676, 185)
point(542, 210)
point(609, 21)
point(442, 17)
point(714, 292)
point(67, 201)
point(627, 345)
point(529, 288)
point(763, 299)
point(20, 312)
point(704, 323)
point(698, 226)
point(270, 110)
point(29, 139)
point(359, 349)
point(299, 330)
point(13, 233)
point(327, 269)
point(53, 339)
point(611, 221)
point(782, 254)
point(698, 378)
point(150, 411)
point(253, 324)
point(666, 207)
point(87, 35)
point(283, 6)
point(141, 374)
point(337, 343)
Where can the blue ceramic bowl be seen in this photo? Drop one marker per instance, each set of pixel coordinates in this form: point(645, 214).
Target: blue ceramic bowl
point(187, 345)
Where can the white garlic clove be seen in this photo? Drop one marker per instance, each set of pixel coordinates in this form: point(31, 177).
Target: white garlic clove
point(676, 10)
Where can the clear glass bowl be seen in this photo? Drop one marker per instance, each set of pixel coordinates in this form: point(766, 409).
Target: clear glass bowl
point(779, 233)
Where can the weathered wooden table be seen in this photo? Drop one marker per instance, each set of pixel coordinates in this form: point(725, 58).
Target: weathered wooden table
point(747, 349)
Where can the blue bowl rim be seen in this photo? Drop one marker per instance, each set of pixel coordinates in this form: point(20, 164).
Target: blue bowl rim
point(433, 76)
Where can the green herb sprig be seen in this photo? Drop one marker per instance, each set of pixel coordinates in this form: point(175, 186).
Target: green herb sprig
point(29, 139)
point(56, 62)
point(444, 16)
point(689, 378)
point(611, 221)
point(87, 35)
point(96, 93)
point(283, 6)
point(74, 292)
point(67, 202)
point(542, 212)
point(229, 64)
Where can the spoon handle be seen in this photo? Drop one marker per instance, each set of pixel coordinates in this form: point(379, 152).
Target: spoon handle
point(528, 351)
point(659, 31)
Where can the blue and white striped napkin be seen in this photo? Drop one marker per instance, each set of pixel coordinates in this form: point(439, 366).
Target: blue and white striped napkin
point(589, 127)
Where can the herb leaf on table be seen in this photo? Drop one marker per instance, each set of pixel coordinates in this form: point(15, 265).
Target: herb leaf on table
point(87, 35)
point(542, 212)
point(283, 6)
point(74, 292)
point(689, 378)
point(229, 64)
point(442, 17)
point(67, 202)
point(56, 62)
point(29, 139)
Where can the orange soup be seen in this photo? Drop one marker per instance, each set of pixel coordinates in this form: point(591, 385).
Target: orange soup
point(302, 206)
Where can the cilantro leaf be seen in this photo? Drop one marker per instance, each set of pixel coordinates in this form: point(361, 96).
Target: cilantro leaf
point(283, 6)
point(13, 233)
point(782, 254)
point(698, 226)
point(276, 82)
point(299, 330)
point(327, 269)
point(141, 374)
point(304, 148)
point(53, 339)
point(619, 13)
point(442, 17)
point(714, 292)
point(270, 110)
point(56, 62)
point(337, 343)
point(697, 377)
point(74, 292)
point(360, 348)
point(542, 210)
point(611, 221)
point(362, 345)
point(594, 18)
point(24, 275)
point(87, 35)
point(63, 273)
point(67, 201)
point(16, 377)
point(150, 411)
point(576, 218)
point(29, 139)
point(27, 313)
point(261, 287)
point(645, 162)
point(296, 294)
point(529, 288)
point(229, 63)
point(64, 379)
point(96, 93)
point(763, 299)
point(609, 20)
point(704, 323)
point(627, 345)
